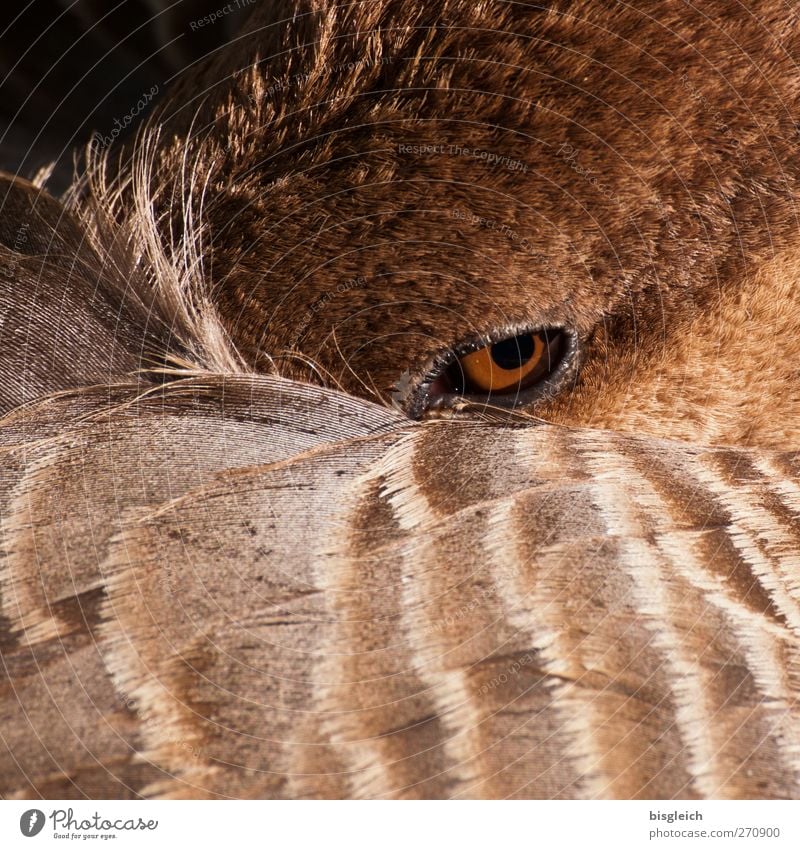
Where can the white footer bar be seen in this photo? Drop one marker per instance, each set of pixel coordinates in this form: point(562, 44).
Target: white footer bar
point(402, 825)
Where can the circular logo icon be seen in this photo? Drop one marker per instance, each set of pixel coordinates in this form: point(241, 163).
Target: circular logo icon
point(31, 822)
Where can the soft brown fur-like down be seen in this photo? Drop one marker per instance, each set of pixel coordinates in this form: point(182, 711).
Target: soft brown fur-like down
point(627, 171)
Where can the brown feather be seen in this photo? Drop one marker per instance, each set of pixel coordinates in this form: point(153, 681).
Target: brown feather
point(219, 581)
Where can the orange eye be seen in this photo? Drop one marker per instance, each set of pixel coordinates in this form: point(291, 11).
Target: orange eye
point(513, 372)
point(507, 366)
point(504, 365)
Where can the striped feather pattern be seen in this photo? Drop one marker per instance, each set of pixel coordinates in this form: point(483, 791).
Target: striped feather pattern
point(331, 601)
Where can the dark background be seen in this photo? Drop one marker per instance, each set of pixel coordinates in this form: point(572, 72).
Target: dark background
point(68, 68)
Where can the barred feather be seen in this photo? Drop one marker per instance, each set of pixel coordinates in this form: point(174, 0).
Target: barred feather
point(319, 604)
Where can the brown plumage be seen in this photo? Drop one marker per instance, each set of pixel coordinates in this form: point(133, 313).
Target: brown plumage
point(316, 604)
point(642, 195)
point(217, 581)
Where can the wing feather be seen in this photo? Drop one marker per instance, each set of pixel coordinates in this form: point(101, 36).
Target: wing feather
point(242, 586)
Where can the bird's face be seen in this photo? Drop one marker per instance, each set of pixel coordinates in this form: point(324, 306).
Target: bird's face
point(585, 212)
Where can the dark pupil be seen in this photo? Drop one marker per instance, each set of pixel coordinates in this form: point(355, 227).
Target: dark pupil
point(513, 353)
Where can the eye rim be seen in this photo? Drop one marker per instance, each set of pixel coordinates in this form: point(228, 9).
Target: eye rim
point(565, 372)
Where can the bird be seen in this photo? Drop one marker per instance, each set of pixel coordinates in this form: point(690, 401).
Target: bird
point(408, 411)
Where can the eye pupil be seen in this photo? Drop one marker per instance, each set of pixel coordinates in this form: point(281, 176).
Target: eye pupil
point(513, 353)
